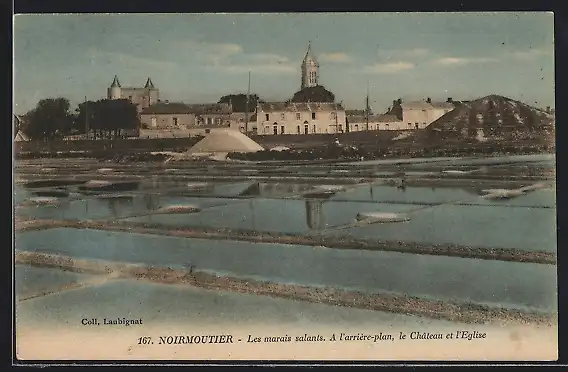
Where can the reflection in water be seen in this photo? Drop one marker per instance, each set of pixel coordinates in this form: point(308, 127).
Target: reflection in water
point(314, 214)
point(115, 204)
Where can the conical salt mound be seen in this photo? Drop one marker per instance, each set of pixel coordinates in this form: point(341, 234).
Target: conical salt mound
point(225, 141)
point(21, 137)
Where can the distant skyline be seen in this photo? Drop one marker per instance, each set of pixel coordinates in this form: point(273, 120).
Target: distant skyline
point(197, 58)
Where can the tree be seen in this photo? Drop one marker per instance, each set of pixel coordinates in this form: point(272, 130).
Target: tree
point(81, 121)
point(239, 102)
point(313, 94)
point(108, 118)
point(51, 118)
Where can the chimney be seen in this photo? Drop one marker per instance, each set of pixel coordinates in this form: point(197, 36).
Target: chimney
point(548, 109)
point(429, 100)
point(450, 100)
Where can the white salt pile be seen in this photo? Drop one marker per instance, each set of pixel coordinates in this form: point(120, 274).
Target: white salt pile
point(279, 148)
point(381, 217)
point(330, 187)
point(196, 184)
point(224, 141)
point(178, 209)
point(402, 136)
point(501, 193)
point(96, 183)
point(452, 171)
point(44, 200)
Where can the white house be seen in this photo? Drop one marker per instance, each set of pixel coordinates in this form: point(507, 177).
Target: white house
point(420, 114)
point(358, 123)
point(275, 118)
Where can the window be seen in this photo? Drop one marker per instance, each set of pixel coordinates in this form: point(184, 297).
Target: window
point(423, 125)
point(313, 129)
point(241, 120)
point(209, 121)
point(275, 129)
point(340, 128)
point(416, 125)
point(175, 121)
point(386, 126)
point(306, 128)
point(242, 129)
point(154, 122)
point(356, 127)
point(409, 125)
point(333, 115)
point(282, 116)
point(281, 129)
point(298, 129)
point(267, 117)
point(298, 116)
point(313, 116)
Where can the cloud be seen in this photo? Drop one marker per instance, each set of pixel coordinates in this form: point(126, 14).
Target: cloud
point(337, 57)
point(260, 63)
point(112, 58)
point(401, 53)
point(389, 68)
point(531, 53)
point(453, 61)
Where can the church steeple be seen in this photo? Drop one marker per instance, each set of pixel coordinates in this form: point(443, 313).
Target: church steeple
point(310, 68)
point(115, 82)
point(310, 58)
point(149, 84)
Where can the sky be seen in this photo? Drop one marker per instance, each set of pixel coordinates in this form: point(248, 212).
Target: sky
point(197, 58)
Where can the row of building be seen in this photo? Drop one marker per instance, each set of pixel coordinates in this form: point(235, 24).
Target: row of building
point(176, 119)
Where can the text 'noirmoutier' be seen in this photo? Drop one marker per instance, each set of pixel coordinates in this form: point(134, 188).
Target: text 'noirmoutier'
point(341, 337)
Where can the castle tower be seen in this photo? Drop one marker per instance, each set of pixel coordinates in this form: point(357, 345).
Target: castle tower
point(310, 68)
point(114, 92)
point(153, 94)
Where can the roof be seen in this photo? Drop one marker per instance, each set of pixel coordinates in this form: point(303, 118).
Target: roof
point(385, 118)
point(423, 105)
point(115, 82)
point(183, 108)
point(300, 106)
point(167, 108)
point(149, 84)
point(309, 55)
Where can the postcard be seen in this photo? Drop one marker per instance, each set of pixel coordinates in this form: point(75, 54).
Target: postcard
point(285, 187)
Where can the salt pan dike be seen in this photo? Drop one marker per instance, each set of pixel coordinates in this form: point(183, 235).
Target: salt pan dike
point(490, 226)
point(497, 284)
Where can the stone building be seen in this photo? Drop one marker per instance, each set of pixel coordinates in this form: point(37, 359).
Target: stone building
point(299, 118)
point(142, 97)
point(420, 114)
point(310, 69)
point(176, 119)
point(358, 123)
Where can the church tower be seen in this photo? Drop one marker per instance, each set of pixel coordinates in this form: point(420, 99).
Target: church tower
point(310, 68)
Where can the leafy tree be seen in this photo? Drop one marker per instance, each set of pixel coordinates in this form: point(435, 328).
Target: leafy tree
point(51, 118)
point(239, 102)
point(314, 94)
point(108, 118)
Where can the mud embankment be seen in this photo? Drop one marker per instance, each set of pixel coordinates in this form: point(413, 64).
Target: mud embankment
point(466, 313)
point(340, 242)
